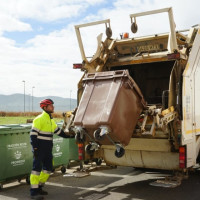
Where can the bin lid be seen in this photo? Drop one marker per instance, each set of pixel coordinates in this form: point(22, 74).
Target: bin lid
point(26, 125)
point(3, 127)
point(12, 125)
point(14, 128)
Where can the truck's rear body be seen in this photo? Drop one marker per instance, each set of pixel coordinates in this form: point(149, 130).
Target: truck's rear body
point(166, 69)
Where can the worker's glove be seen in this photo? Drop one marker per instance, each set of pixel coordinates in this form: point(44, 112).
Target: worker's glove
point(35, 153)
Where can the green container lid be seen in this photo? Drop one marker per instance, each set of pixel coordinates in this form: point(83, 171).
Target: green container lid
point(14, 128)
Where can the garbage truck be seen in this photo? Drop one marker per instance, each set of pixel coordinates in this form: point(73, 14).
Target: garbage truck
point(138, 98)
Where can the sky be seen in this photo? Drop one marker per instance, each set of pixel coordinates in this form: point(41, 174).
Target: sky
point(38, 43)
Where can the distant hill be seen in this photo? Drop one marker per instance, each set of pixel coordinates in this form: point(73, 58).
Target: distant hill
point(15, 103)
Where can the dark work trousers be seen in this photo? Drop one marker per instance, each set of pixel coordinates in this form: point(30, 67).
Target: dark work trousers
point(42, 162)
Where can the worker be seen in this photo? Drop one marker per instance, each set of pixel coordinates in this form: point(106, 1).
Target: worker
point(41, 136)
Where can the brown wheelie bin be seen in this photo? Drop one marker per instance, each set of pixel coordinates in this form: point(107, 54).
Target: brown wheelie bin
point(110, 106)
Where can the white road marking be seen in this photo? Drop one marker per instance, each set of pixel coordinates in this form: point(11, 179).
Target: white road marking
point(2, 197)
point(125, 179)
point(89, 189)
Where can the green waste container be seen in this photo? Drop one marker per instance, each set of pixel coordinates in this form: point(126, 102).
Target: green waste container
point(16, 156)
point(15, 152)
point(64, 151)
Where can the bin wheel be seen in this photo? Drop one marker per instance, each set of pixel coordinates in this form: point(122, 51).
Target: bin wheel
point(78, 137)
point(98, 161)
point(111, 166)
point(88, 149)
point(120, 152)
point(28, 180)
point(68, 166)
point(63, 169)
point(97, 135)
point(86, 162)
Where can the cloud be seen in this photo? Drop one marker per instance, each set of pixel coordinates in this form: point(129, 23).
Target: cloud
point(9, 23)
point(13, 13)
point(119, 14)
point(45, 61)
point(44, 10)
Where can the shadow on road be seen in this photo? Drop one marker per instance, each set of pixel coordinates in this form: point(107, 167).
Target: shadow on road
point(116, 184)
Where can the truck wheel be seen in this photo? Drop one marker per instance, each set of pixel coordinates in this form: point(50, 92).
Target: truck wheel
point(119, 153)
point(88, 149)
point(63, 169)
point(97, 135)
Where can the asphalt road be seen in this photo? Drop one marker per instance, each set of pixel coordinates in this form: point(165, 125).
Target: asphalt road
point(105, 183)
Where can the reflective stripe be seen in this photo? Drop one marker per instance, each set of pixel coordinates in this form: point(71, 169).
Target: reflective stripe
point(45, 138)
point(46, 172)
point(35, 186)
point(57, 128)
point(58, 133)
point(46, 133)
point(33, 133)
point(35, 172)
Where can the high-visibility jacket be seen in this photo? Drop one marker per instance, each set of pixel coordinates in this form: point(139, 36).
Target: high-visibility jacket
point(43, 128)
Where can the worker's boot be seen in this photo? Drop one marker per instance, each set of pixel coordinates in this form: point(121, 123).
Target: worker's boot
point(37, 197)
point(41, 191)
